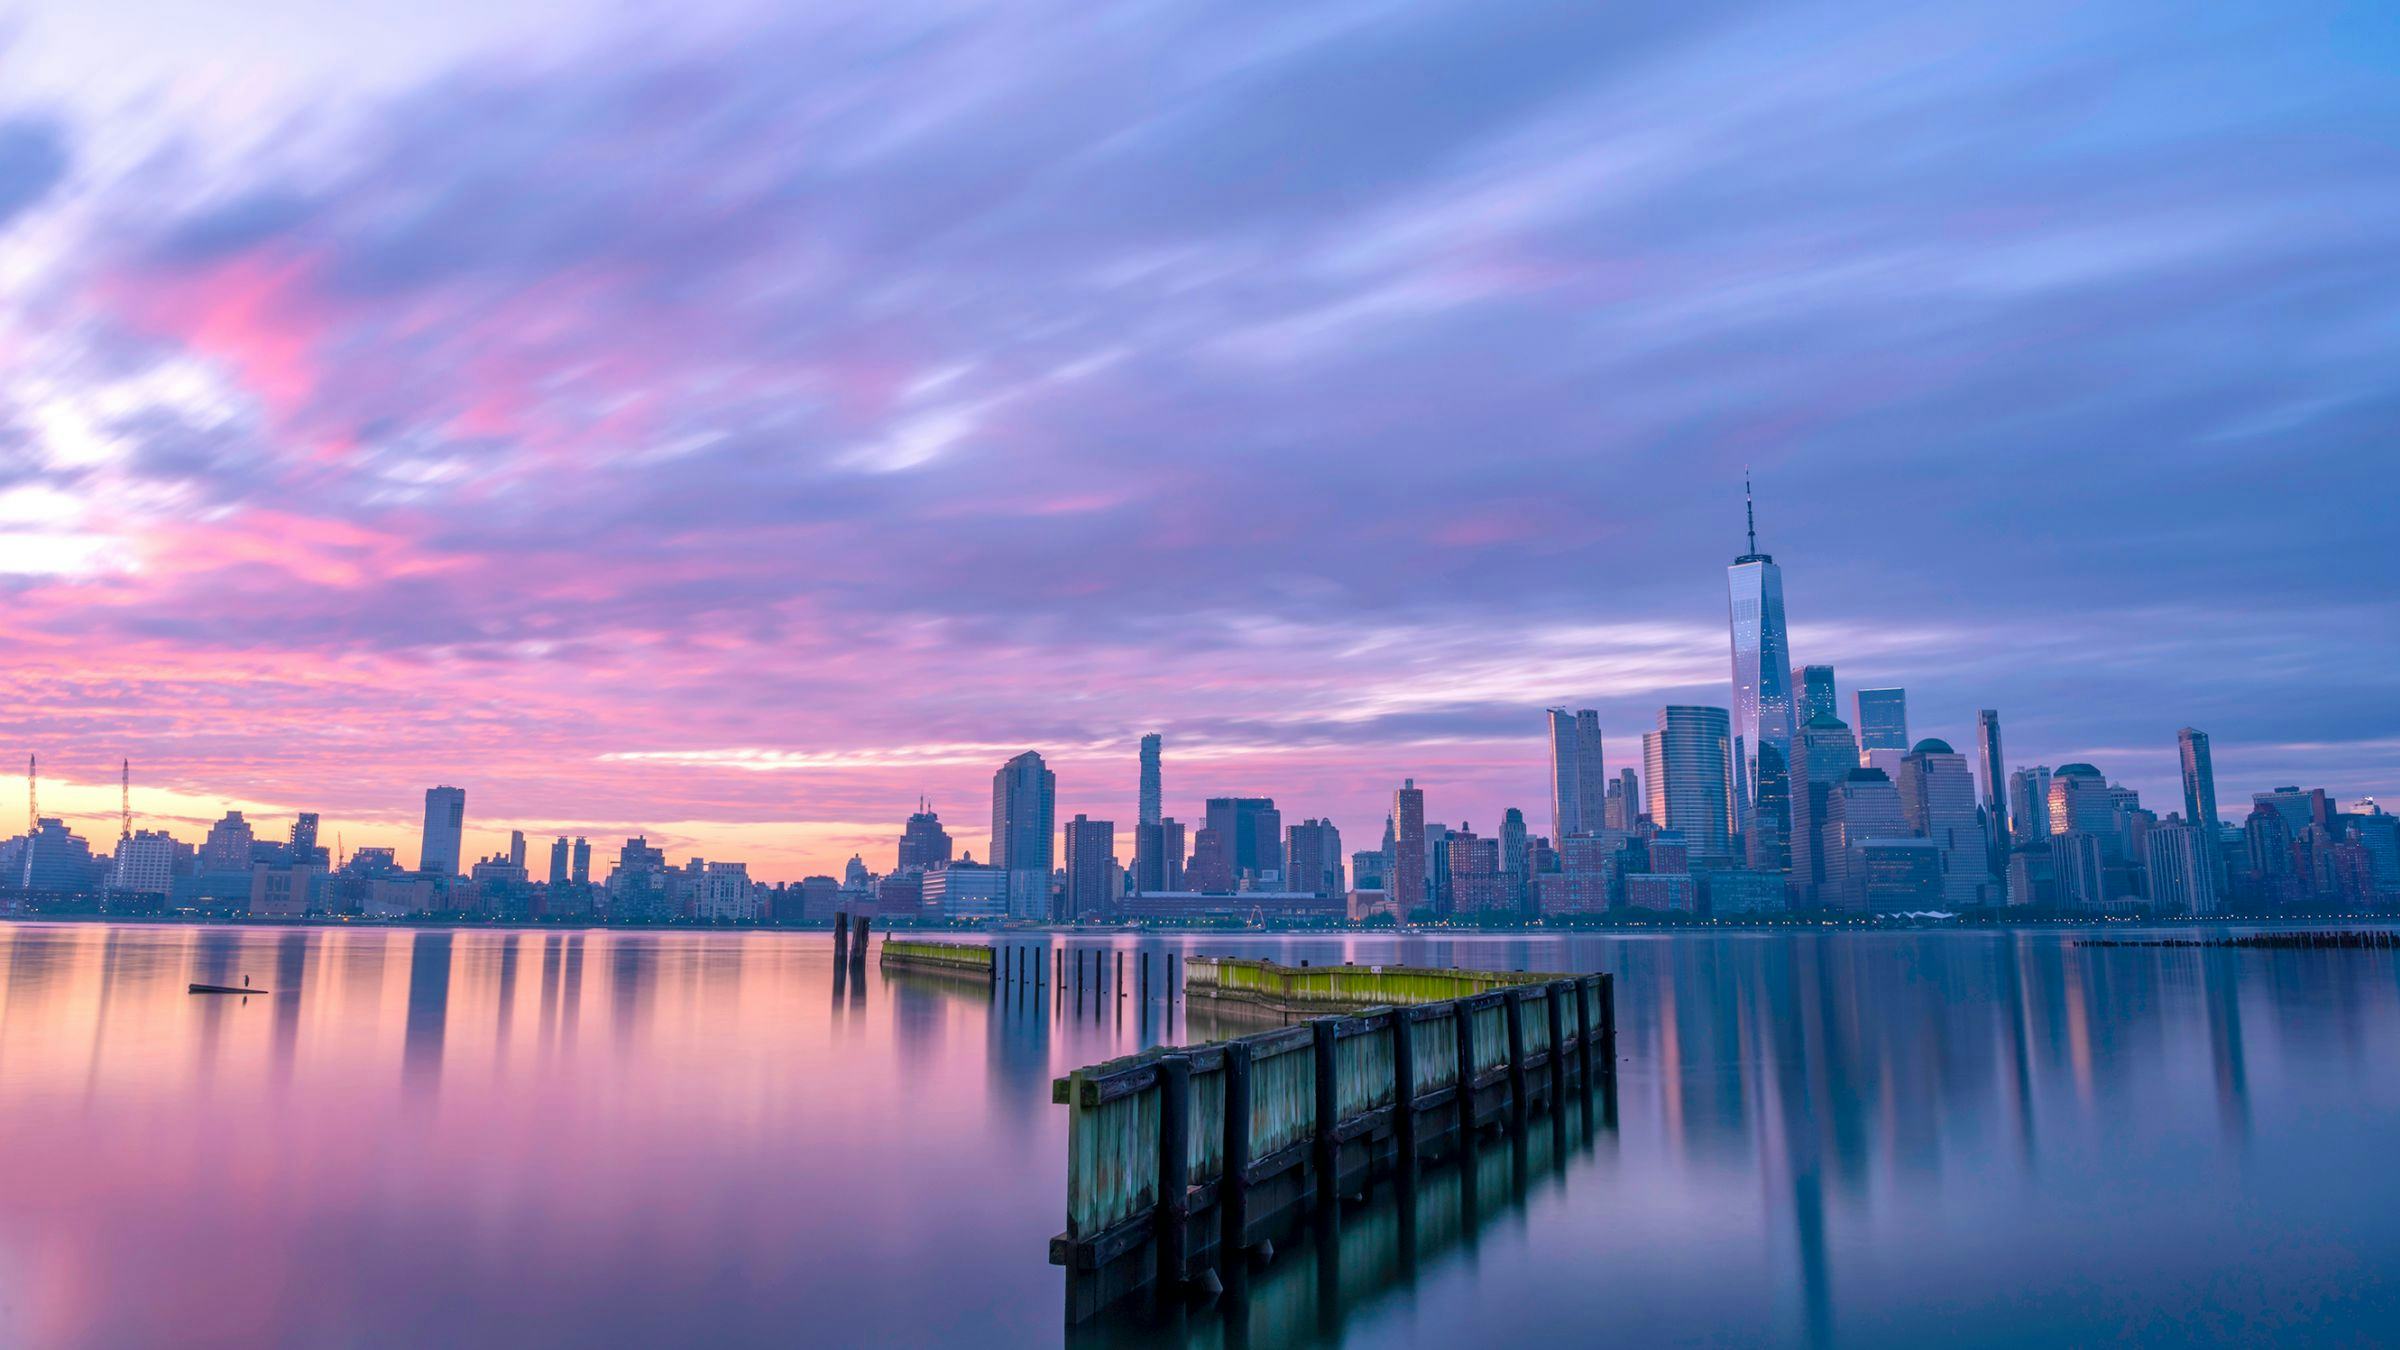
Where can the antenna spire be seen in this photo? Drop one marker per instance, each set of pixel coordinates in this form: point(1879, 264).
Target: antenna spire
point(1749, 509)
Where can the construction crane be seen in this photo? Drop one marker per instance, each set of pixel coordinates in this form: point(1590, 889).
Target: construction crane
point(125, 799)
point(33, 796)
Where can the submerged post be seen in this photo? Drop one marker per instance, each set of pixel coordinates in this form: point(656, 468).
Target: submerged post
point(841, 935)
point(1556, 1009)
point(1172, 1219)
point(1463, 1021)
point(1233, 1188)
point(1514, 1005)
point(1328, 1143)
point(1120, 985)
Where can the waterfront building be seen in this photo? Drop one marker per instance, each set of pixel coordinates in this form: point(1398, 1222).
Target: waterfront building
point(964, 890)
point(1743, 890)
point(146, 862)
point(1663, 892)
point(1093, 879)
point(58, 861)
point(2079, 870)
point(2299, 809)
point(445, 831)
point(1404, 878)
point(2179, 861)
point(1937, 795)
point(2199, 779)
point(560, 869)
point(1578, 772)
point(583, 862)
point(1687, 763)
point(1516, 858)
point(227, 847)
point(1897, 876)
point(1763, 725)
point(1024, 822)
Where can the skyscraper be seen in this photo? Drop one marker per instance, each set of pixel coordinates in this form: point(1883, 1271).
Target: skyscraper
point(1937, 796)
point(1995, 788)
point(1024, 822)
point(582, 874)
point(1252, 831)
point(1578, 772)
point(2180, 864)
point(924, 844)
point(445, 830)
point(1822, 758)
point(1882, 721)
point(1153, 801)
point(1688, 762)
point(1762, 698)
point(1816, 694)
point(1404, 879)
point(1091, 868)
point(1863, 807)
point(558, 863)
point(2029, 804)
point(2199, 782)
point(516, 845)
point(1313, 858)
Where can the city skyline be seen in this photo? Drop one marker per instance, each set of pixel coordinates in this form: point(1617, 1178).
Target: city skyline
point(744, 487)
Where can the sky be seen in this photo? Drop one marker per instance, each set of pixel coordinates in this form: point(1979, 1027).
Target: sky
point(731, 423)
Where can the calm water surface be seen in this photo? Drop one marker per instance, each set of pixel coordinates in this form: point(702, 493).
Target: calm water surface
point(530, 1138)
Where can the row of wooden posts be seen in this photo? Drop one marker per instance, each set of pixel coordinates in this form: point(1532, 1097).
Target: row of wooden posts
point(1263, 1127)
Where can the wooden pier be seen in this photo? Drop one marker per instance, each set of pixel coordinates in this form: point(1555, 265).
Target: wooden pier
point(949, 958)
point(1181, 1158)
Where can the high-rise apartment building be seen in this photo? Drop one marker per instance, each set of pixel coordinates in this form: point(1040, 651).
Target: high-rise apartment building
point(227, 847)
point(2180, 863)
point(1024, 815)
point(560, 869)
point(1153, 793)
point(1158, 856)
point(1313, 858)
point(583, 862)
point(1404, 878)
point(445, 831)
point(1252, 831)
point(1762, 723)
point(1578, 772)
point(516, 845)
point(1092, 885)
point(1688, 765)
point(2199, 780)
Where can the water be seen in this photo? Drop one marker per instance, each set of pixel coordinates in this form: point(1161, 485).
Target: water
point(533, 1138)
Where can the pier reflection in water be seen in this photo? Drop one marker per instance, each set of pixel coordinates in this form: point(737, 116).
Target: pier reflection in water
point(478, 1136)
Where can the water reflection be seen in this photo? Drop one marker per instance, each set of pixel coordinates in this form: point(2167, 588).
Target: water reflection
point(1828, 1139)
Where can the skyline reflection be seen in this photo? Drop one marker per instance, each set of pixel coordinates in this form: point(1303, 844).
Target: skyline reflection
point(1824, 1138)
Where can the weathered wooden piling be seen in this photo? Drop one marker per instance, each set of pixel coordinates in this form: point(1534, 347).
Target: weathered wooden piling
point(1271, 1128)
point(841, 937)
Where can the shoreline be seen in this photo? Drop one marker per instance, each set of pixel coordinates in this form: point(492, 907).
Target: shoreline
point(1850, 923)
